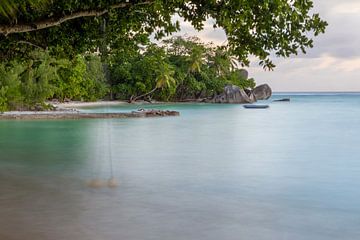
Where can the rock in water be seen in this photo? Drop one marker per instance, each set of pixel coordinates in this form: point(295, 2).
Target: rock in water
point(262, 92)
point(234, 94)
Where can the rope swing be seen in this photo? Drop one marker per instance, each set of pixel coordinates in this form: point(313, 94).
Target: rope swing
point(96, 182)
point(111, 182)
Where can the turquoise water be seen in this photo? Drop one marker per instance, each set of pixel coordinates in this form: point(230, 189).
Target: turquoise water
point(216, 172)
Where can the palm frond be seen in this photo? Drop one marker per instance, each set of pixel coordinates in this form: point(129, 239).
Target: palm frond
point(11, 8)
point(8, 8)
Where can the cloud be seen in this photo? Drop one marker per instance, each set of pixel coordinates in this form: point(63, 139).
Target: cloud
point(334, 62)
point(208, 34)
point(346, 8)
point(325, 73)
point(332, 65)
point(347, 65)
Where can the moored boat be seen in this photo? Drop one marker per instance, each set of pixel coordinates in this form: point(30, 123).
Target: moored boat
point(256, 106)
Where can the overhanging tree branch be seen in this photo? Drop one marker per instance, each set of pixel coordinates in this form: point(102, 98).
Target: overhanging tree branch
point(30, 43)
point(52, 22)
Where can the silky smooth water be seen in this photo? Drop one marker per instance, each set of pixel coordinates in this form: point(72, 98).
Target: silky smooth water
point(216, 172)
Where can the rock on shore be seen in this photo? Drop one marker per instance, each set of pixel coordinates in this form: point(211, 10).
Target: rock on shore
point(235, 94)
point(262, 92)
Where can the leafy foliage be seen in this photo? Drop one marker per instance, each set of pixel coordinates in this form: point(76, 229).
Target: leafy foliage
point(27, 84)
point(257, 28)
point(10, 86)
point(180, 69)
point(11, 8)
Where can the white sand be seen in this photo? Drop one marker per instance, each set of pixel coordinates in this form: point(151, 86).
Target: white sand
point(88, 104)
point(75, 104)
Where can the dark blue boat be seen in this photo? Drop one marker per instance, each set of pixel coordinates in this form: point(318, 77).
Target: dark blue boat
point(256, 106)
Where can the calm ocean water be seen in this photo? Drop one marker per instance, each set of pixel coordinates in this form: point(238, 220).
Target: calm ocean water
point(216, 172)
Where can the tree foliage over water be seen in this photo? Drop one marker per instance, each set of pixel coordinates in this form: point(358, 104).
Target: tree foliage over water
point(81, 50)
point(178, 69)
point(253, 27)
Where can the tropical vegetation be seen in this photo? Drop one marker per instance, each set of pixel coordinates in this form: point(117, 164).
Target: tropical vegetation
point(179, 69)
point(89, 49)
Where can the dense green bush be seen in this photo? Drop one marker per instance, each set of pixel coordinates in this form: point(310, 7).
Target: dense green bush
point(94, 82)
point(10, 85)
point(27, 84)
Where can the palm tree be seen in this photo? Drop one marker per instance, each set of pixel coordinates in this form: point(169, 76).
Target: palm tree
point(164, 79)
point(196, 59)
point(7, 8)
point(223, 62)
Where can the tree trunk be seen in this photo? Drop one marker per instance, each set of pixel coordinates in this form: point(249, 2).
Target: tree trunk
point(51, 22)
point(133, 99)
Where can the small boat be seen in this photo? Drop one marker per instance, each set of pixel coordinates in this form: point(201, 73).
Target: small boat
point(282, 100)
point(256, 106)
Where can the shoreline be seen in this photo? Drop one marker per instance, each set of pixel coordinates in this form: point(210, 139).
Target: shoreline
point(74, 116)
point(71, 110)
point(78, 104)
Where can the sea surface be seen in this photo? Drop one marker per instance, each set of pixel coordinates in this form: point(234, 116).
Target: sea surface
point(217, 172)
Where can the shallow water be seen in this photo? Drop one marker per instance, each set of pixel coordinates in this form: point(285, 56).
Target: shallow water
point(216, 172)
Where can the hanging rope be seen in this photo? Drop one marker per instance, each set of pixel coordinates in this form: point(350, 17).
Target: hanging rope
point(112, 183)
point(96, 182)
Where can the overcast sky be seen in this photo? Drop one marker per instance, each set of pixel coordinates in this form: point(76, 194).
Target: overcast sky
point(332, 65)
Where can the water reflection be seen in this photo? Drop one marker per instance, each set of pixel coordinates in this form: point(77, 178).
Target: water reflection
point(216, 172)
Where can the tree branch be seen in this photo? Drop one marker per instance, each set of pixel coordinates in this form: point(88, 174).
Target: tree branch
point(29, 43)
point(51, 22)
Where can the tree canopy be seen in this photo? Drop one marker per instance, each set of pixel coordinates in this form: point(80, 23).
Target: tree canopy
point(69, 27)
point(178, 69)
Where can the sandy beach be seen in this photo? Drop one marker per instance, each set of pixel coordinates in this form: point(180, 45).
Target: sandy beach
point(79, 104)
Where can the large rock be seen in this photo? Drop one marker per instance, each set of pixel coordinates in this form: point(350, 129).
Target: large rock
point(234, 94)
point(262, 92)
